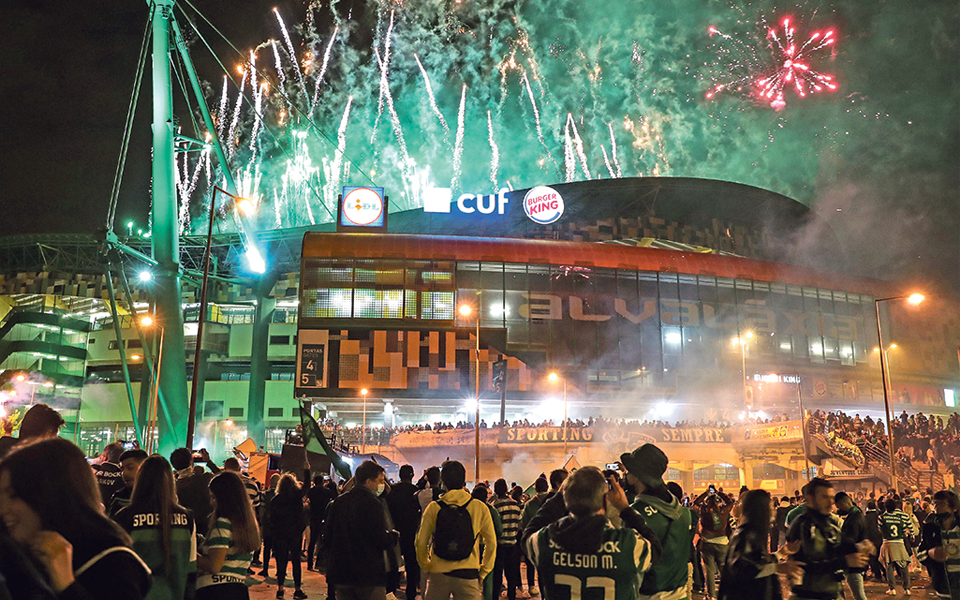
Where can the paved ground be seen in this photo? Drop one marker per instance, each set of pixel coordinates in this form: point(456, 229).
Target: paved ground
point(315, 587)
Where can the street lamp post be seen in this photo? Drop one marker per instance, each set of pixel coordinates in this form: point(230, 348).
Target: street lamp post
point(246, 207)
point(554, 377)
point(465, 312)
point(742, 342)
point(803, 425)
point(912, 299)
point(363, 430)
point(152, 417)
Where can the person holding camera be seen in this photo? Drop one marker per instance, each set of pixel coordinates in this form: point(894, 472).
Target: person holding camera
point(670, 522)
point(193, 490)
point(582, 555)
point(714, 508)
point(823, 553)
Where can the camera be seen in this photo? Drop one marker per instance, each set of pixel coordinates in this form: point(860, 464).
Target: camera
point(614, 466)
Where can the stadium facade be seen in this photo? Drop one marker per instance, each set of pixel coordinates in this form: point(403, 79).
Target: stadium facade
point(656, 298)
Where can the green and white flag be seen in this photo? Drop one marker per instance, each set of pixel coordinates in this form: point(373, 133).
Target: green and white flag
point(314, 441)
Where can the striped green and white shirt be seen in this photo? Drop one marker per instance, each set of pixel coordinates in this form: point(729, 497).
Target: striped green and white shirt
point(950, 539)
point(235, 566)
point(510, 516)
point(951, 543)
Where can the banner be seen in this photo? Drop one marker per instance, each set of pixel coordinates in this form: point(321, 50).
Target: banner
point(789, 430)
point(631, 435)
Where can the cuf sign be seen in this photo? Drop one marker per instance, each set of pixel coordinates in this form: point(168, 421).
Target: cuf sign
point(544, 205)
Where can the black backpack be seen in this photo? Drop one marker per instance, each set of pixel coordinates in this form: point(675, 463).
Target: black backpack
point(453, 538)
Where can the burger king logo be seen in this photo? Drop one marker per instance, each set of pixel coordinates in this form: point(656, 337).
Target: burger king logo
point(543, 205)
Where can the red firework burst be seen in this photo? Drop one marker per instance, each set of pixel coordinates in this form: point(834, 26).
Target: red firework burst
point(794, 66)
point(765, 74)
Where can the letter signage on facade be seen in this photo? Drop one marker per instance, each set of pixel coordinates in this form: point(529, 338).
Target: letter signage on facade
point(438, 200)
point(543, 205)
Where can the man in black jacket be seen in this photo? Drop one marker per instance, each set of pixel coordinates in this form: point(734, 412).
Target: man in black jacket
point(405, 511)
point(780, 523)
point(823, 551)
point(872, 521)
point(853, 532)
point(358, 536)
point(320, 497)
point(193, 490)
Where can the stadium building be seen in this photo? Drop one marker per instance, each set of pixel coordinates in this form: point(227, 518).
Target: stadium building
point(648, 298)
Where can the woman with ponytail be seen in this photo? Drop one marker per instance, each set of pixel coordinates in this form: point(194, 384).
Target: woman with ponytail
point(163, 532)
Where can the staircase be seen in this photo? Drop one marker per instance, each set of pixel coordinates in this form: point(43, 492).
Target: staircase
point(824, 443)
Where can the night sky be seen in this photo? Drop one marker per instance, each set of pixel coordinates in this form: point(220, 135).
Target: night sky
point(879, 160)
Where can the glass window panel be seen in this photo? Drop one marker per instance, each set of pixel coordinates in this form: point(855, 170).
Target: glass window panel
point(672, 340)
point(410, 304)
point(332, 303)
point(436, 305)
point(830, 349)
point(815, 344)
point(494, 311)
point(669, 288)
point(377, 304)
point(846, 353)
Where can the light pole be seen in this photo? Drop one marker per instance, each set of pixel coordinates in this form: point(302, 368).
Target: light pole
point(912, 299)
point(465, 312)
point(553, 377)
point(246, 207)
point(363, 430)
point(803, 425)
point(152, 417)
point(742, 342)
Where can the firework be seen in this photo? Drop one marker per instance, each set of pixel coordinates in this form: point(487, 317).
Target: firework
point(781, 63)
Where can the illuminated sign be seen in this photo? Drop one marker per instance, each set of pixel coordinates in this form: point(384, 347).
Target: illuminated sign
point(774, 378)
point(438, 200)
point(543, 205)
point(362, 207)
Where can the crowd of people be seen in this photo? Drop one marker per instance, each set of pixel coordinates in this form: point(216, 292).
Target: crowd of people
point(141, 526)
point(924, 443)
point(347, 438)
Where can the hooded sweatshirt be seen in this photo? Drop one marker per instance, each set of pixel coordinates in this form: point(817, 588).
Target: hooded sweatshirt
point(586, 557)
point(671, 523)
point(482, 530)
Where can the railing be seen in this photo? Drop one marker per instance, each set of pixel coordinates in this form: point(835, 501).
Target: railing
point(838, 447)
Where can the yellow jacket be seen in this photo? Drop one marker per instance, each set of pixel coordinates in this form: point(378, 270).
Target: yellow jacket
point(482, 524)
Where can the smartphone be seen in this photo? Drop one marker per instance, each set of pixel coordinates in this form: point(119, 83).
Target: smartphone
point(612, 466)
point(712, 490)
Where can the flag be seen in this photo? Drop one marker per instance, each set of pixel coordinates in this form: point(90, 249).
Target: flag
point(572, 464)
point(314, 441)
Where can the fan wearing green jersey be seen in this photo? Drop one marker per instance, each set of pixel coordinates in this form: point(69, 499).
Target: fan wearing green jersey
point(939, 550)
point(163, 532)
point(582, 556)
point(670, 522)
point(895, 525)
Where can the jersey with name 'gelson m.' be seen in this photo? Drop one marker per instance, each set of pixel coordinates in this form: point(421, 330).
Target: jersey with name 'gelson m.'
point(613, 572)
